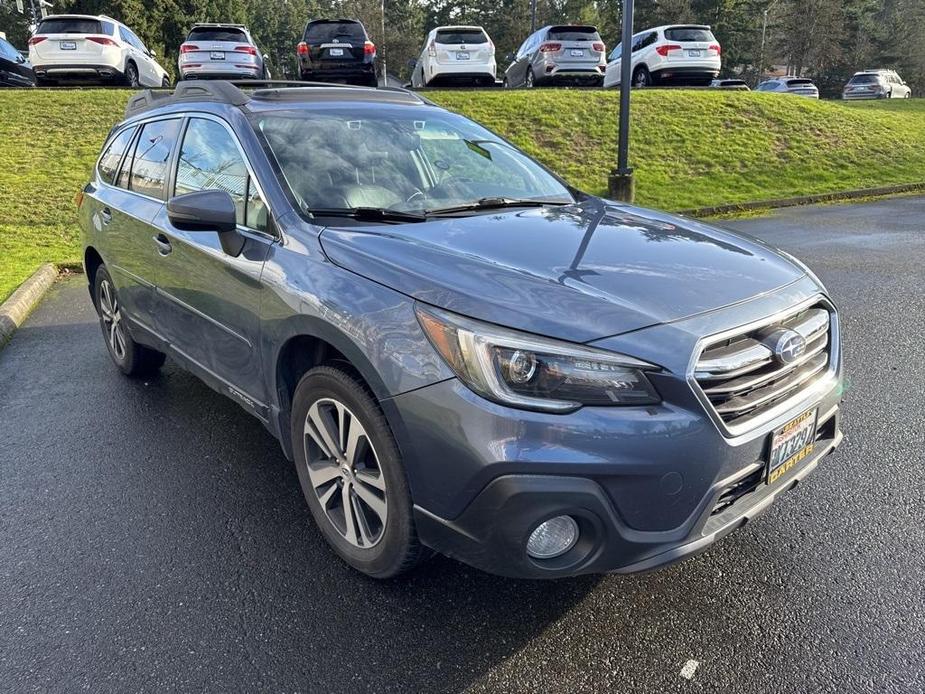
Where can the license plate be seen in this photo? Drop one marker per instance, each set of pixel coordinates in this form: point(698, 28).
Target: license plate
point(68, 45)
point(335, 52)
point(462, 55)
point(577, 53)
point(693, 54)
point(790, 444)
point(217, 55)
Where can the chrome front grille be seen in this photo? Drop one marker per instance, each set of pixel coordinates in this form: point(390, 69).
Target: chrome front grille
point(747, 374)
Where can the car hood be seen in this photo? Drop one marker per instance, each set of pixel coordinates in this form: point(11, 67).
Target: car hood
point(579, 273)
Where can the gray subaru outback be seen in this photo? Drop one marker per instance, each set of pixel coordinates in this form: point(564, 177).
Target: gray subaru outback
point(458, 350)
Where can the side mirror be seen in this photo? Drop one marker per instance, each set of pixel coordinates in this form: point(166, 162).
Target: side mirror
point(266, 57)
point(152, 53)
point(510, 57)
point(208, 210)
point(412, 63)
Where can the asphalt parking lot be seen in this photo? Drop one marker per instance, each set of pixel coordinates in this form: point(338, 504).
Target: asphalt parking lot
point(153, 537)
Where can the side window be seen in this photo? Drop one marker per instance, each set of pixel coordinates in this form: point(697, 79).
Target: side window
point(109, 162)
point(151, 158)
point(125, 36)
point(210, 160)
point(107, 27)
point(7, 51)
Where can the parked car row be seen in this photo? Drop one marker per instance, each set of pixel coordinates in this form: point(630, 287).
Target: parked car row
point(72, 47)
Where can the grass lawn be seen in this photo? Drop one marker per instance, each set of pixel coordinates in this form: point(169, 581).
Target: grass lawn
point(689, 149)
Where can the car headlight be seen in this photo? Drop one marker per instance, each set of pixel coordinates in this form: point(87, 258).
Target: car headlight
point(532, 372)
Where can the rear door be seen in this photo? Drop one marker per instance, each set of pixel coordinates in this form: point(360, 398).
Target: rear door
point(218, 45)
point(70, 41)
point(335, 45)
point(690, 44)
point(211, 300)
point(580, 47)
point(148, 74)
point(462, 47)
point(126, 206)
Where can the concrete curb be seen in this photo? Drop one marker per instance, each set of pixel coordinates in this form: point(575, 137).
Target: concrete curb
point(804, 200)
point(19, 305)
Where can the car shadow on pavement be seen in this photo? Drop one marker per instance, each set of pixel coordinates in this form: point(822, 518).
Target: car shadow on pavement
point(163, 526)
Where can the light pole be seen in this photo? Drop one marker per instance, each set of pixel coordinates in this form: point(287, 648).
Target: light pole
point(621, 184)
point(385, 73)
point(764, 33)
point(532, 16)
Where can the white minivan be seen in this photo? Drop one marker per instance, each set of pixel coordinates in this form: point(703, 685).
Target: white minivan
point(456, 55)
point(85, 48)
point(681, 54)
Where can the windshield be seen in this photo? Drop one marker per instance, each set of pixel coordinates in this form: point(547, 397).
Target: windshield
point(684, 34)
point(69, 25)
point(400, 159)
point(229, 34)
point(323, 32)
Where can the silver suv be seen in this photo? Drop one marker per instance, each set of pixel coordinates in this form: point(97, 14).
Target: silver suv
point(225, 51)
point(558, 55)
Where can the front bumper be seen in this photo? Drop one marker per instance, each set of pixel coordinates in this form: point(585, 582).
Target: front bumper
point(647, 485)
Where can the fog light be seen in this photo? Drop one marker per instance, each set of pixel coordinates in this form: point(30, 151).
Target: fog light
point(553, 538)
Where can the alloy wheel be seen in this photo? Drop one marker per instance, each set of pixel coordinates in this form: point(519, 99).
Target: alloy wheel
point(345, 473)
point(111, 314)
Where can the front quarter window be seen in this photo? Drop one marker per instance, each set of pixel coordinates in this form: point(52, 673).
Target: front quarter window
point(109, 162)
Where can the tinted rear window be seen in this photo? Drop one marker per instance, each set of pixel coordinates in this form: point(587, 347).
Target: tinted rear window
point(683, 34)
point(865, 79)
point(214, 34)
point(573, 34)
point(799, 83)
point(70, 26)
point(461, 36)
point(322, 32)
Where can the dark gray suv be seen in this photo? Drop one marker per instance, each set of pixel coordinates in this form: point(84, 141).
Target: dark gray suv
point(458, 350)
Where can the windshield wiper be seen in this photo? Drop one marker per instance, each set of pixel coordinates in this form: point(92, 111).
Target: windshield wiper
point(497, 203)
point(375, 214)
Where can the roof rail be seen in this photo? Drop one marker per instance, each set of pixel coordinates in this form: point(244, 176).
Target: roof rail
point(219, 24)
point(218, 91)
point(233, 94)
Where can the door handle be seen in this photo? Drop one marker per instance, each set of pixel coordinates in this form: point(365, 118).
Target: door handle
point(163, 244)
point(106, 215)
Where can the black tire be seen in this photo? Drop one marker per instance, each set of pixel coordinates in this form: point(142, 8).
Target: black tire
point(165, 83)
point(396, 548)
point(529, 79)
point(131, 75)
point(642, 78)
point(133, 359)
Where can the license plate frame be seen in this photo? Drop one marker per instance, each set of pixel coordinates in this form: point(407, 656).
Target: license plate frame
point(216, 55)
point(336, 52)
point(462, 55)
point(67, 45)
point(577, 52)
point(791, 444)
point(694, 53)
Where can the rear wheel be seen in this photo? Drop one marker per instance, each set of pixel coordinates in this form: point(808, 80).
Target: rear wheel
point(351, 473)
point(131, 75)
point(642, 77)
point(132, 358)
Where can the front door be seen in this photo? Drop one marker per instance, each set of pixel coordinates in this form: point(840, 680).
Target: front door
point(211, 300)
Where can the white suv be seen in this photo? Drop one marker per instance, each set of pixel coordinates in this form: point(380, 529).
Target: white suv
point(456, 54)
point(680, 53)
point(876, 84)
point(84, 48)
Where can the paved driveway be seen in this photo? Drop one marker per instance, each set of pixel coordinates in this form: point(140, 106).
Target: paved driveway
point(152, 536)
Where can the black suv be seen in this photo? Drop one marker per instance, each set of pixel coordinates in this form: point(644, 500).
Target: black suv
point(337, 50)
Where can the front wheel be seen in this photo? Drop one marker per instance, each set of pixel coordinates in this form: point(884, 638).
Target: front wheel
point(132, 358)
point(530, 80)
point(165, 83)
point(351, 473)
